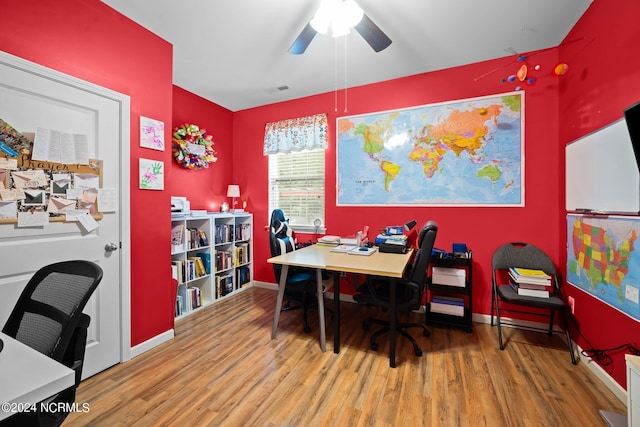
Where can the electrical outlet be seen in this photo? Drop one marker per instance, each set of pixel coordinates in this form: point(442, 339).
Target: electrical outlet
point(572, 304)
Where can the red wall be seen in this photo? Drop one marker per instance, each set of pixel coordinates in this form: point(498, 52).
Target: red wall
point(205, 188)
point(105, 48)
point(604, 79)
point(90, 41)
point(482, 228)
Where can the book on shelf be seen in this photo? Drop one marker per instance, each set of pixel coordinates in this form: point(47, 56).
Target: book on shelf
point(223, 260)
point(206, 260)
point(203, 239)
point(199, 267)
point(178, 267)
point(530, 282)
point(243, 276)
point(179, 306)
point(529, 292)
point(529, 273)
point(241, 253)
point(243, 232)
point(224, 285)
point(224, 233)
point(177, 235)
point(540, 286)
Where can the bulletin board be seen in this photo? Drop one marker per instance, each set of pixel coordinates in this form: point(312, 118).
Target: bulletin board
point(43, 186)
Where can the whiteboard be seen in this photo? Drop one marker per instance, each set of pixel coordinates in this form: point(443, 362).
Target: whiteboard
point(601, 172)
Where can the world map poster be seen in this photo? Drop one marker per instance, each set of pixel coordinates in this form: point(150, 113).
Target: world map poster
point(604, 261)
point(459, 153)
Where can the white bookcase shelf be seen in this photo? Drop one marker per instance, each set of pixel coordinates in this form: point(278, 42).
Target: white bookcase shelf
point(212, 257)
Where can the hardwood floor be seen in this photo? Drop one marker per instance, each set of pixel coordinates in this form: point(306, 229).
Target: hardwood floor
point(223, 369)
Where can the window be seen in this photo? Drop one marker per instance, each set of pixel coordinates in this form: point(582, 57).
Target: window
point(296, 185)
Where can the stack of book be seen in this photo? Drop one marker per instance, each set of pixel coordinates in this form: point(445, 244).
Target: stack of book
point(530, 282)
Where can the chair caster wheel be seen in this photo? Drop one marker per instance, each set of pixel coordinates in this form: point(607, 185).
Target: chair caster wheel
point(425, 333)
point(418, 352)
point(374, 346)
point(307, 329)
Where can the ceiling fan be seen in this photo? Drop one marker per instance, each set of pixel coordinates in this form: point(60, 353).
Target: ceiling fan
point(340, 16)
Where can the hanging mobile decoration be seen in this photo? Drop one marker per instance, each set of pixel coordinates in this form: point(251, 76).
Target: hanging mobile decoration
point(192, 147)
point(526, 72)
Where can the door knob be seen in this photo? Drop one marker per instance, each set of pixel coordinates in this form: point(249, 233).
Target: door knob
point(110, 247)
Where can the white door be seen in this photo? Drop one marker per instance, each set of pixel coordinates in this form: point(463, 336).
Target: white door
point(32, 96)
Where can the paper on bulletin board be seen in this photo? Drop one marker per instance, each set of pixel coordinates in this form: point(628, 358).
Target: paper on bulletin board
point(107, 200)
point(33, 219)
point(88, 222)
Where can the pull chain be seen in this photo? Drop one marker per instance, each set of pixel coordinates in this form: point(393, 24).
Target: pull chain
point(335, 75)
point(345, 74)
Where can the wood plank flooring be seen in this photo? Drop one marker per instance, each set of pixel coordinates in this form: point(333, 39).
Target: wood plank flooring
point(223, 369)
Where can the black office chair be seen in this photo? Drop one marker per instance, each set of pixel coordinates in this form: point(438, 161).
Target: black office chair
point(409, 290)
point(48, 318)
point(301, 289)
point(505, 298)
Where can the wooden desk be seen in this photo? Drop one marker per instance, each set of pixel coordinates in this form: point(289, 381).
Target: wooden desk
point(321, 258)
point(28, 376)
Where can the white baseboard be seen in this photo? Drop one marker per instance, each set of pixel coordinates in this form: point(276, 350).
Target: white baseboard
point(265, 285)
point(152, 342)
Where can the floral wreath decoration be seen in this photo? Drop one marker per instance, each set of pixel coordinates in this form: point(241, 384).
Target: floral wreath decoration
point(192, 147)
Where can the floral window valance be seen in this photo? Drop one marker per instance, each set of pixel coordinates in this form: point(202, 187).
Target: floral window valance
point(298, 134)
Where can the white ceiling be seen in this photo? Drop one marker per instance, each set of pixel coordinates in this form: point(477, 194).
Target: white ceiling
point(234, 52)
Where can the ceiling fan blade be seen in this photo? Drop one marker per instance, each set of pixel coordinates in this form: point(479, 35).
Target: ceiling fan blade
point(302, 42)
point(372, 34)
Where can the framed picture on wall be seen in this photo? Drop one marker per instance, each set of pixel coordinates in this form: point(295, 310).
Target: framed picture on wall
point(151, 133)
point(151, 174)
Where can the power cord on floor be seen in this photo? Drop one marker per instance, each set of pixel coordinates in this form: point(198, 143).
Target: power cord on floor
point(602, 355)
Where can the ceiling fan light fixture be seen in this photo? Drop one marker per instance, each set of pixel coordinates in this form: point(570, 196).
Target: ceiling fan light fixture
point(351, 14)
point(322, 19)
point(338, 15)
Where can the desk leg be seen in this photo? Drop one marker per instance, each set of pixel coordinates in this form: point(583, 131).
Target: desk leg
point(392, 325)
point(336, 312)
point(276, 316)
point(320, 292)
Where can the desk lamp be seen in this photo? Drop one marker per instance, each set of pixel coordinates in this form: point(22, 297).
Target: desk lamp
point(412, 233)
point(233, 191)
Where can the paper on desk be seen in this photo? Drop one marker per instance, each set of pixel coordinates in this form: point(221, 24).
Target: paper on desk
point(344, 248)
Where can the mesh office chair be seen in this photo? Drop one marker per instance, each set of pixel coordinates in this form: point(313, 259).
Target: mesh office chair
point(409, 290)
point(48, 318)
point(300, 290)
point(505, 298)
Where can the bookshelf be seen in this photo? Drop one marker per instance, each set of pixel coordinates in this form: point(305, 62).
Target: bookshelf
point(449, 297)
point(211, 257)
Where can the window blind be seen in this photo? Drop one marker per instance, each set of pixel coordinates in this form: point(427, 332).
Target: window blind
point(296, 185)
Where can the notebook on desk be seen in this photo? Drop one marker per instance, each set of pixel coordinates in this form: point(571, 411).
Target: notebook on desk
point(344, 248)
